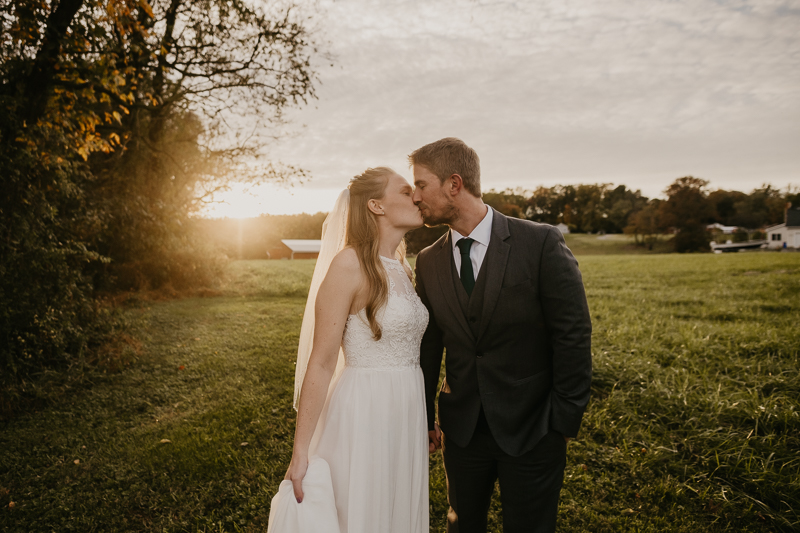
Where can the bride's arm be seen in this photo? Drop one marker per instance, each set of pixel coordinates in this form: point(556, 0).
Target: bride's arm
point(332, 307)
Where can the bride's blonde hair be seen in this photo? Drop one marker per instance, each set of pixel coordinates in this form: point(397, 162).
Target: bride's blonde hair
point(363, 237)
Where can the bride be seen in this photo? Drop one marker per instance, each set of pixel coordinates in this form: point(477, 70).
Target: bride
point(360, 457)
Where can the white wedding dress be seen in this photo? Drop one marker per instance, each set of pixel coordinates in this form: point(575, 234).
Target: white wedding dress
point(373, 430)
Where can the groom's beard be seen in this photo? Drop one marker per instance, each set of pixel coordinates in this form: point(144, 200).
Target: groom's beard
point(445, 216)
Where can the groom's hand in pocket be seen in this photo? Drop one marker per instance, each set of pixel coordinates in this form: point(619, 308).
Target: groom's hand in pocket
point(434, 438)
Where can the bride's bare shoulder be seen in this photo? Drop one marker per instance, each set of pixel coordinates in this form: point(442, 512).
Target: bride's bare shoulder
point(345, 263)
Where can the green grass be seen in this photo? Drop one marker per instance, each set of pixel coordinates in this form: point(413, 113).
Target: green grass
point(694, 416)
point(270, 278)
point(613, 244)
point(694, 422)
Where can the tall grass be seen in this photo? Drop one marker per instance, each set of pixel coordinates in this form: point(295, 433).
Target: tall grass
point(692, 426)
point(614, 243)
point(270, 278)
point(695, 393)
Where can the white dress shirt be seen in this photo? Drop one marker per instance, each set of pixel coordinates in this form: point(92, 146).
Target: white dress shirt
point(481, 235)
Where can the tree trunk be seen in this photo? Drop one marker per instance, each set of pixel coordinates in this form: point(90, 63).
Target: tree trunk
point(40, 81)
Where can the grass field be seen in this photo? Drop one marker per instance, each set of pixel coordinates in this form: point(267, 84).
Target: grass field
point(613, 244)
point(693, 426)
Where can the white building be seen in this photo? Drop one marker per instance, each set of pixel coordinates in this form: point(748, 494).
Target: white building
point(786, 235)
point(563, 228)
point(303, 248)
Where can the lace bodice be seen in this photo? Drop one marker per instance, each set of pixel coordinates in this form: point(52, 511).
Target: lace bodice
point(403, 321)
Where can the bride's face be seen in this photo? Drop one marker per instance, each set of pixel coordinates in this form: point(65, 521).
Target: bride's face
point(398, 206)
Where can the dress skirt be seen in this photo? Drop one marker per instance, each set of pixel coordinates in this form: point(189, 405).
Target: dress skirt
point(372, 443)
point(375, 440)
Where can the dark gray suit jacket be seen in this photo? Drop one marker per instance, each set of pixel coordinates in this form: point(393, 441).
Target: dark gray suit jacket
point(526, 357)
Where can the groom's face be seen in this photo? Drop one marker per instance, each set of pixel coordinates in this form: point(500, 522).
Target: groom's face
point(430, 195)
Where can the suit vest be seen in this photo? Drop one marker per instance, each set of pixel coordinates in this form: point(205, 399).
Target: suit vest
point(471, 305)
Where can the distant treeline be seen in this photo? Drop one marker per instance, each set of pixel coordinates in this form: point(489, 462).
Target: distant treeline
point(593, 208)
point(608, 208)
point(252, 238)
point(688, 209)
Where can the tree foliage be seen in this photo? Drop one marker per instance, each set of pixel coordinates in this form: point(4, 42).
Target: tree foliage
point(196, 66)
point(762, 207)
point(115, 128)
point(588, 208)
point(688, 210)
point(510, 203)
point(646, 224)
point(605, 208)
point(253, 238)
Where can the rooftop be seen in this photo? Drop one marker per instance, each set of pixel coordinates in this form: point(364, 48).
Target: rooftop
point(303, 245)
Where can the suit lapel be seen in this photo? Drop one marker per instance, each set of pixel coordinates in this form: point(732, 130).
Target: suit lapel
point(495, 263)
point(444, 272)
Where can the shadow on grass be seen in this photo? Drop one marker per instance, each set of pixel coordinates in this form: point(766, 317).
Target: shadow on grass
point(692, 426)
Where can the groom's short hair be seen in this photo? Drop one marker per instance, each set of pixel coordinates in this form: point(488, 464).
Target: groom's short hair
point(449, 156)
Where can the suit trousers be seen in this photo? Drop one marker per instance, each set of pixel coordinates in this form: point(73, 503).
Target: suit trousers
point(529, 484)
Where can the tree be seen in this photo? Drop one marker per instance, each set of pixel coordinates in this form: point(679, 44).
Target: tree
point(585, 208)
point(793, 197)
point(198, 65)
point(645, 224)
point(543, 206)
point(553, 205)
point(724, 204)
point(252, 238)
point(620, 204)
point(510, 203)
point(762, 207)
point(113, 131)
point(688, 210)
point(48, 317)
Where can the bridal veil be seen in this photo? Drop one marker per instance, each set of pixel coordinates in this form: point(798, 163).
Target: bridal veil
point(334, 238)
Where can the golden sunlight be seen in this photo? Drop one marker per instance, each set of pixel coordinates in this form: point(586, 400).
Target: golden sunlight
point(244, 202)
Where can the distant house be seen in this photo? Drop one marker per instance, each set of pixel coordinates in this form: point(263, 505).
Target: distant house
point(563, 228)
point(296, 249)
point(786, 235)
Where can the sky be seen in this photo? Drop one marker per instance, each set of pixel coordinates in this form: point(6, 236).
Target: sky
point(548, 92)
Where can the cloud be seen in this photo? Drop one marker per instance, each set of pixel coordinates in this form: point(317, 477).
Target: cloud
point(559, 91)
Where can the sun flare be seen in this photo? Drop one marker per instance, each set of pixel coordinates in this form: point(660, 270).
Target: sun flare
point(243, 202)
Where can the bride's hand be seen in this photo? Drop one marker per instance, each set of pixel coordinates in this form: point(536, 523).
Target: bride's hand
point(434, 438)
point(295, 474)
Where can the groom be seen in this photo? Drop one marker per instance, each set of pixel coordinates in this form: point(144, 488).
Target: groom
point(506, 301)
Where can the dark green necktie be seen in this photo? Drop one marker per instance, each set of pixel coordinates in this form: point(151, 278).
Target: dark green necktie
point(467, 276)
